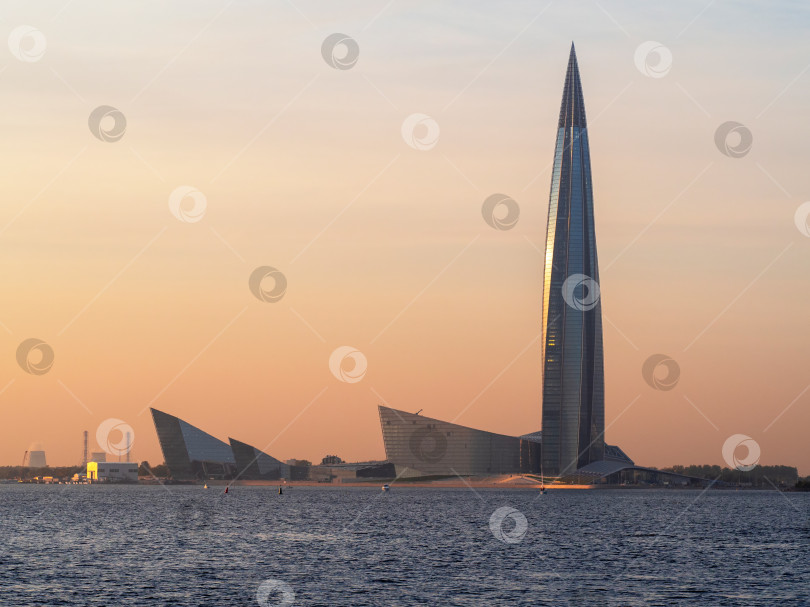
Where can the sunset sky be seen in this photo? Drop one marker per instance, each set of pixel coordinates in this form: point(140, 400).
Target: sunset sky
point(304, 168)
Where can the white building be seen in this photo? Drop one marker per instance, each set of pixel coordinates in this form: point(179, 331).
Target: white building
point(112, 471)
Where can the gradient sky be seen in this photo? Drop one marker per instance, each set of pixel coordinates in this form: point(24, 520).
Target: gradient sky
point(384, 247)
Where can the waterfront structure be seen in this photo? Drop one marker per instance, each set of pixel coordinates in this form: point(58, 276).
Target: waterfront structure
point(423, 446)
point(251, 463)
point(431, 447)
point(112, 471)
point(192, 454)
point(189, 452)
point(571, 444)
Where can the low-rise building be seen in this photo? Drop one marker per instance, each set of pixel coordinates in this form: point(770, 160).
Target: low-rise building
point(112, 472)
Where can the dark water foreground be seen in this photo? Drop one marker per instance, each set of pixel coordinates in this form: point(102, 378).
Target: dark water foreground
point(139, 545)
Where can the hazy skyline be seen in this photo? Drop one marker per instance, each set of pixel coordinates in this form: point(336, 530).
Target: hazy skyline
point(304, 168)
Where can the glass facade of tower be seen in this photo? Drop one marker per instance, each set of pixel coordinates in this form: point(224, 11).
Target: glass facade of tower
point(573, 368)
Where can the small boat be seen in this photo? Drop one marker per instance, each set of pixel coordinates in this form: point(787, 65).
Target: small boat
point(386, 488)
point(280, 492)
point(205, 486)
point(226, 490)
point(542, 490)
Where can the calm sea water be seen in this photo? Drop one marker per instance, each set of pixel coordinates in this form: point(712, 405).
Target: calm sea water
point(139, 545)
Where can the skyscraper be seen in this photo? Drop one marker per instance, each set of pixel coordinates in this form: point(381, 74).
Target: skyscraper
point(573, 369)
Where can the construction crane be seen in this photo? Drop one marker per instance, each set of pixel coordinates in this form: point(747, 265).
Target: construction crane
point(25, 455)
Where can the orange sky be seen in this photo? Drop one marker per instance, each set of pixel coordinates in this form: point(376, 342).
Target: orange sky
point(384, 248)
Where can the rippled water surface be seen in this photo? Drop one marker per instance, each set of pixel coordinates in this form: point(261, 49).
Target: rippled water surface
point(146, 545)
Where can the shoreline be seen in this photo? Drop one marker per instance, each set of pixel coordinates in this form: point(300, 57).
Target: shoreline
point(377, 485)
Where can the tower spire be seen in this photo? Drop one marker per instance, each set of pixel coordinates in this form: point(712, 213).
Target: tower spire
point(573, 358)
point(572, 110)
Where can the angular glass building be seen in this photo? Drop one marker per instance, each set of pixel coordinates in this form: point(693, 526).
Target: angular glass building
point(189, 452)
point(423, 446)
point(431, 447)
point(254, 464)
point(573, 367)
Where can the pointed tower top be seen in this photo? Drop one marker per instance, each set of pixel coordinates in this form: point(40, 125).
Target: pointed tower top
point(572, 110)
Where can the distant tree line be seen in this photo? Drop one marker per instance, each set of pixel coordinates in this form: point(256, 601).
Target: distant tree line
point(25, 473)
point(67, 472)
point(766, 477)
point(160, 471)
